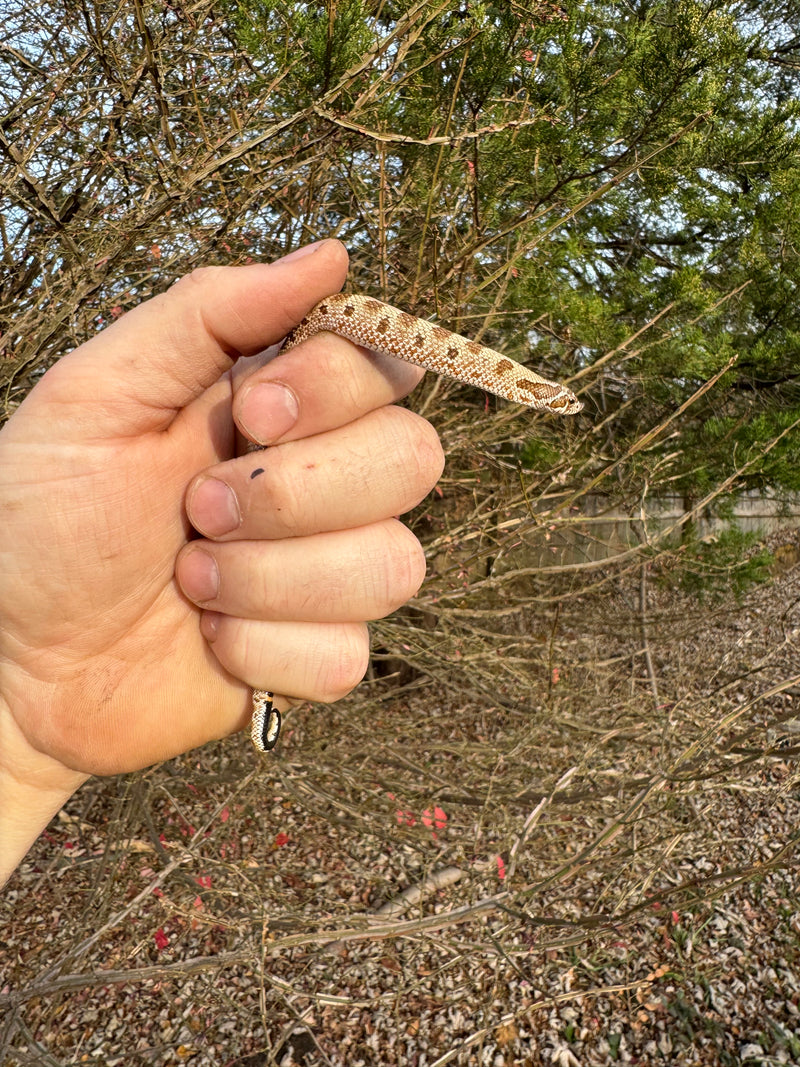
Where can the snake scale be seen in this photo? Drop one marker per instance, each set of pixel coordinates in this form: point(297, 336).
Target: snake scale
point(391, 332)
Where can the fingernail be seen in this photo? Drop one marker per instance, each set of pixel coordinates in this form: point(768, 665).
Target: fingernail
point(213, 508)
point(209, 625)
point(199, 576)
point(268, 411)
point(298, 253)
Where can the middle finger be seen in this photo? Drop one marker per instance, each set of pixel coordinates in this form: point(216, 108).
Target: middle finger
point(381, 465)
point(342, 576)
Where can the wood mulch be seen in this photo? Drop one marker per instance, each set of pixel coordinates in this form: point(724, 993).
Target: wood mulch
point(602, 906)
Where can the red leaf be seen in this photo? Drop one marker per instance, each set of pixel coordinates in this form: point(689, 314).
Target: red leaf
point(437, 818)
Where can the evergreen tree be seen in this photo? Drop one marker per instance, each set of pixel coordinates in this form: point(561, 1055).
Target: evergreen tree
point(609, 191)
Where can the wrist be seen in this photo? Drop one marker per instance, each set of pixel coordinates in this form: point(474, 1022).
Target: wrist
point(33, 787)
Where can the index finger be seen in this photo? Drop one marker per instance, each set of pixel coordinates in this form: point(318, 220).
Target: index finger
point(322, 384)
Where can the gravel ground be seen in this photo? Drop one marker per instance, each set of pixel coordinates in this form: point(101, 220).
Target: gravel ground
point(612, 888)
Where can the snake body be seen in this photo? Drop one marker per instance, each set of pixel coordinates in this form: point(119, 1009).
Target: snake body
point(391, 332)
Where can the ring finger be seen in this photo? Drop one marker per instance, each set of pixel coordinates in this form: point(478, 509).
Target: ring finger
point(341, 576)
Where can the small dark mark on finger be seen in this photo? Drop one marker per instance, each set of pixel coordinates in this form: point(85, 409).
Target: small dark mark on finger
point(256, 472)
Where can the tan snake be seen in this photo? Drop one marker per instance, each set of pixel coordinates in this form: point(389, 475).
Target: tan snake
point(384, 329)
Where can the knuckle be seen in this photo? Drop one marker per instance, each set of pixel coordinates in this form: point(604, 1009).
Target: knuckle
point(418, 451)
point(346, 663)
point(333, 361)
point(285, 495)
point(203, 277)
point(405, 565)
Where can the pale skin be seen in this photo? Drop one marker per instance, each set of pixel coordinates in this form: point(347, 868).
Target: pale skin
point(116, 651)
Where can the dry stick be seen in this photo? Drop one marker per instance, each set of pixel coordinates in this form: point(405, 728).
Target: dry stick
point(434, 179)
point(452, 139)
point(206, 169)
point(220, 962)
point(607, 356)
point(648, 437)
point(643, 441)
point(630, 553)
point(80, 950)
point(648, 659)
point(488, 905)
point(32, 1045)
point(689, 759)
point(550, 648)
point(383, 257)
point(610, 183)
point(533, 819)
point(593, 565)
point(48, 207)
point(729, 482)
point(637, 446)
point(412, 30)
point(163, 972)
point(396, 907)
point(440, 879)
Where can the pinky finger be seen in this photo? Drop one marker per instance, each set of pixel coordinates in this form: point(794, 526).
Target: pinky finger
point(312, 661)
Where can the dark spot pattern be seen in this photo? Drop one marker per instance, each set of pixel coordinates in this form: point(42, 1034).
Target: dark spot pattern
point(538, 390)
point(377, 325)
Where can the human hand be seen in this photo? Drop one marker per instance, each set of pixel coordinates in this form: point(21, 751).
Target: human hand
point(105, 660)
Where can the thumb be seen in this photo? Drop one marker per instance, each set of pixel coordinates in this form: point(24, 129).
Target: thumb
point(137, 374)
